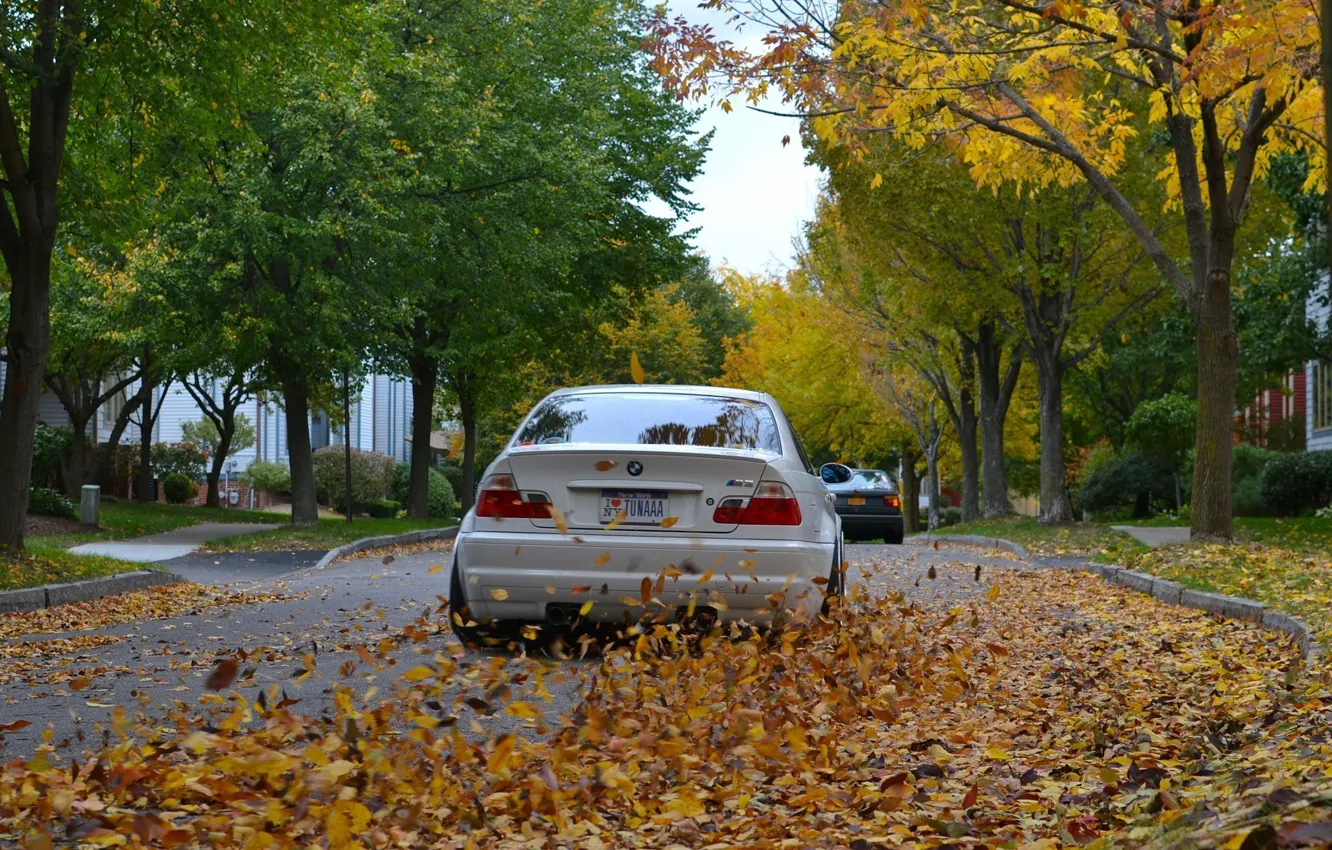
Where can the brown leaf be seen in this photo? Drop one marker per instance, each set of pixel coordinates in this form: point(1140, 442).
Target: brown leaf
point(645, 590)
point(388, 559)
point(223, 674)
point(15, 725)
point(605, 465)
point(970, 799)
point(1300, 834)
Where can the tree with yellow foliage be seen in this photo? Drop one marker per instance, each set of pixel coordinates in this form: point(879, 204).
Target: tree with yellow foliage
point(1050, 92)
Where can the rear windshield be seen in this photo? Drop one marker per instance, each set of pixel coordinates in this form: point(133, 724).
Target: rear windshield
point(870, 479)
point(655, 419)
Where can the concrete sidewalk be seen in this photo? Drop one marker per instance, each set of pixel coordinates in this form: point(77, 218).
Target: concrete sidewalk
point(1155, 536)
point(169, 544)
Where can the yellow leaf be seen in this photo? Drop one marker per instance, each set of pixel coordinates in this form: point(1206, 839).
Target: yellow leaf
point(418, 674)
point(705, 577)
point(669, 521)
point(437, 568)
point(997, 753)
point(603, 559)
point(523, 710)
point(587, 606)
point(636, 368)
point(561, 523)
point(499, 594)
point(877, 181)
point(993, 594)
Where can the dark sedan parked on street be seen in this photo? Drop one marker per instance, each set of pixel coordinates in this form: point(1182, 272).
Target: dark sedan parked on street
point(867, 502)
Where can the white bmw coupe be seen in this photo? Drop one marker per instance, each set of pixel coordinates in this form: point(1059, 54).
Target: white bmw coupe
point(615, 503)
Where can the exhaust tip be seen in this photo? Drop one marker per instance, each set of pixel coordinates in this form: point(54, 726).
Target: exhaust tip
point(557, 615)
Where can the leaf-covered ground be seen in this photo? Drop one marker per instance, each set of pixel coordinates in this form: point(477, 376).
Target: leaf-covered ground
point(1081, 538)
point(1291, 581)
point(329, 532)
point(1030, 708)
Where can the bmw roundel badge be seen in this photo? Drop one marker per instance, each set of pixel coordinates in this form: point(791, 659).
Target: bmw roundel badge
point(635, 468)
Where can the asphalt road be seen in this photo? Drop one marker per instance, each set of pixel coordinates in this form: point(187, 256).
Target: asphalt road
point(319, 619)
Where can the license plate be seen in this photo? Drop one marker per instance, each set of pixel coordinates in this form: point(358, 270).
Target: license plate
point(856, 500)
point(634, 507)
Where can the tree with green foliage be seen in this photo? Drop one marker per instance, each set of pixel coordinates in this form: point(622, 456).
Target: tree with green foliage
point(90, 93)
point(222, 431)
point(929, 254)
point(532, 133)
point(1163, 431)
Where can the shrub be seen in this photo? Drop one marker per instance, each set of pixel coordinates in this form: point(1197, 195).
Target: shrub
point(268, 476)
point(372, 476)
point(950, 516)
point(47, 502)
point(179, 488)
point(49, 445)
point(440, 498)
point(1298, 482)
point(1246, 491)
point(1130, 479)
point(382, 508)
point(184, 458)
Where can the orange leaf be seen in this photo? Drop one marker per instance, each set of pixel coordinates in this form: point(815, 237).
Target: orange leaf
point(669, 521)
point(605, 465)
point(224, 674)
point(970, 800)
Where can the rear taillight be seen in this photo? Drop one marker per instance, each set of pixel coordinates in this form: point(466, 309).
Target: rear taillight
point(891, 502)
point(772, 504)
point(501, 499)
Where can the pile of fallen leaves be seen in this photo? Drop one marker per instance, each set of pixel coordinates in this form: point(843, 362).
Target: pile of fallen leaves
point(1054, 710)
point(388, 554)
point(156, 603)
point(1298, 583)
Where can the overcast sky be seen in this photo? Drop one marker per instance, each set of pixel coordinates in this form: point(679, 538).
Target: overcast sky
point(755, 195)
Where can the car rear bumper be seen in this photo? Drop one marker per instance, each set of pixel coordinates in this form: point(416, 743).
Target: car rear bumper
point(860, 522)
point(508, 576)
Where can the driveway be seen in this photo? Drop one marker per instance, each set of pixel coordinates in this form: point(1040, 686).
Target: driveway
point(317, 623)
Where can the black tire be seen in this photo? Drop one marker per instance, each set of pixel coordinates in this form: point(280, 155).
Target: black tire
point(895, 538)
point(460, 615)
point(835, 578)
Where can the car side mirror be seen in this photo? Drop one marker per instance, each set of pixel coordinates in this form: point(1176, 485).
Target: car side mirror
point(835, 473)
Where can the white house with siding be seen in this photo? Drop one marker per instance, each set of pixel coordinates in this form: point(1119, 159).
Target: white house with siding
point(1318, 382)
point(381, 419)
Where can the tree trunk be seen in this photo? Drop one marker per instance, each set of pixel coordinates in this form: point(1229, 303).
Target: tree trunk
point(932, 485)
point(1055, 504)
point(467, 411)
point(224, 436)
point(147, 416)
point(304, 497)
point(106, 453)
point(995, 396)
point(73, 466)
point(425, 377)
point(1218, 356)
point(909, 491)
point(966, 438)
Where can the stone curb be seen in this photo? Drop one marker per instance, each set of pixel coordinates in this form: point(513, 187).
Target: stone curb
point(51, 595)
point(366, 543)
point(1172, 593)
point(973, 540)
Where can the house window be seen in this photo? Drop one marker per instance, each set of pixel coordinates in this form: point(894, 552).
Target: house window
point(1322, 395)
point(111, 409)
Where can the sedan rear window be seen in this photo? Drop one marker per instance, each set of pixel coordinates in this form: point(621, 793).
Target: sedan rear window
point(871, 479)
point(655, 419)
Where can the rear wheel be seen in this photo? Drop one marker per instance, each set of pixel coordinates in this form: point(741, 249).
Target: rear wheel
point(460, 615)
point(894, 536)
point(836, 580)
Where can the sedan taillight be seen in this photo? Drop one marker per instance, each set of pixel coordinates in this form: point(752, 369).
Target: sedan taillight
point(891, 502)
point(501, 499)
point(772, 504)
